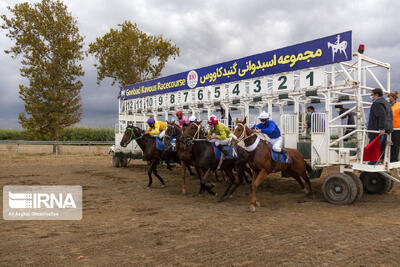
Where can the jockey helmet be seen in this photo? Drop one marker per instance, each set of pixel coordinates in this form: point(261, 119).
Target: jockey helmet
point(151, 121)
point(263, 116)
point(179, 113)
point(192, 118)
point(212, 120)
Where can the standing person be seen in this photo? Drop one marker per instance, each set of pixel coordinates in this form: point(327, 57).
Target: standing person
point(380, 118)
point(310, 111)
point(270, 128)
point(183, 121)
point(348, 119)
point(394, 150)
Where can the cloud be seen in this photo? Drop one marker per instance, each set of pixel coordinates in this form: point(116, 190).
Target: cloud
point(209, 32)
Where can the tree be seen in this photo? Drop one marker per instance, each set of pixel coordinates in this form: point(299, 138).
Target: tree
point(47, 37)
point(129, 56)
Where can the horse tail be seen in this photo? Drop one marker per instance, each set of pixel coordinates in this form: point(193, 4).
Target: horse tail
point(308, 167)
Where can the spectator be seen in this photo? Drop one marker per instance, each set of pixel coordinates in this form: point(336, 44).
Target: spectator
point(310, 111)
point(380, 118)
point(394, 150)
point(348, 119)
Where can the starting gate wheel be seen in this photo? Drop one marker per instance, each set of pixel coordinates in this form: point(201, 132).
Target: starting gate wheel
point(115, 161)
point(359, 184)
point(390, 186)
point(375, 183)
point(339, 189)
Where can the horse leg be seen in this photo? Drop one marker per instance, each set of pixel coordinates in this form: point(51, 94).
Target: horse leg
point(204, 186)
point(189, 169)
point(254, 185)
point(149, 172)
point(158, 176)
point(229, 190)
point(246, 169)
point(306, 178)
point(183, 176)
point(296, 176)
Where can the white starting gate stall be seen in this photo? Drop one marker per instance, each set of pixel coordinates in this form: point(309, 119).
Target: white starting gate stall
point(323, 72)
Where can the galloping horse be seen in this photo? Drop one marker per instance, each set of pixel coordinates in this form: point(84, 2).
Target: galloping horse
point(260, 160)
point(150, 152)
point(203, 157)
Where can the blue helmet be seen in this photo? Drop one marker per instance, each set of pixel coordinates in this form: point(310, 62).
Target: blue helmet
point(151, 121)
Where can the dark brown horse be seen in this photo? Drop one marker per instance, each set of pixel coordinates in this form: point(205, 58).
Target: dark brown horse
point(260, 160)
point(203, 157)
point(150, 152)
point(185, 153)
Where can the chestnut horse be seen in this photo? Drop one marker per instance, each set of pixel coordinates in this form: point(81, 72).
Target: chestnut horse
point(150, 152)
point(203, 157)
point(260, 160)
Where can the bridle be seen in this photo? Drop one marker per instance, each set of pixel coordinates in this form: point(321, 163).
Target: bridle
point(132, 135)
point(244, 134)
point(170, 137)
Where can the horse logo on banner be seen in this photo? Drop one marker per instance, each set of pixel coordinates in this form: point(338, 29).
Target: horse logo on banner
point(338, 46)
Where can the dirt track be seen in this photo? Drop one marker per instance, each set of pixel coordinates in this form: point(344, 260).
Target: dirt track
point(124, 223)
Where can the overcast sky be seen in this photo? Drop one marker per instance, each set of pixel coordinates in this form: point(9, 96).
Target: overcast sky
point(209, 32)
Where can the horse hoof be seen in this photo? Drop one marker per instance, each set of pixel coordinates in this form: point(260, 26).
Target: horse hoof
point(163, 186)
point(258, 204)
point(148, 188)
point(184, 192)
point(306, 191)
point(252, 208)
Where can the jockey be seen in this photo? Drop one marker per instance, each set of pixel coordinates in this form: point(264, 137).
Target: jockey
point(156, 127)
point(270, 128)
point(221, 134)
point(183, 121)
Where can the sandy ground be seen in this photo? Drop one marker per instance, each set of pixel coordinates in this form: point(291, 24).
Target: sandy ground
point(126, 224)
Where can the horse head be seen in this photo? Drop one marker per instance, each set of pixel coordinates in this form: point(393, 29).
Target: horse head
point(173, 131)
point(240, 131)
point(193, 130)
point(131, 133)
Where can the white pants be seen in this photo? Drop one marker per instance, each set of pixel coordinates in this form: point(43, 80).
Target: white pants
point(276, 144)
point(161, 135)
point(220, 142)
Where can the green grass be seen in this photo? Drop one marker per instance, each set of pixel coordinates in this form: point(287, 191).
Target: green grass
point(69, 134)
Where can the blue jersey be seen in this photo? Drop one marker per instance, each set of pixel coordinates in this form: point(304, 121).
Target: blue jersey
point(270, 129)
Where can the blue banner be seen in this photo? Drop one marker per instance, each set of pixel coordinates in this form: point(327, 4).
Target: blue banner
point(328, 50)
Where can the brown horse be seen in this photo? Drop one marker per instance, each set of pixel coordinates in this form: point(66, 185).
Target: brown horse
point(185, 154)
point(203, 157)
point(260, 160)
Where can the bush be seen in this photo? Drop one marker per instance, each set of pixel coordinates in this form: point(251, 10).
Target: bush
point(69, 134)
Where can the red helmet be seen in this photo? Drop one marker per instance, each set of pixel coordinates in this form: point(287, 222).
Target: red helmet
point(212, 120)
point(179, 113)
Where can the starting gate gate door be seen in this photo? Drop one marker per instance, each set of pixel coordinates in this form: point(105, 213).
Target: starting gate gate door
point(290, 130)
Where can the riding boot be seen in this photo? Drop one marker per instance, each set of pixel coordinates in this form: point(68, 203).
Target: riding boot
point(223, 150)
